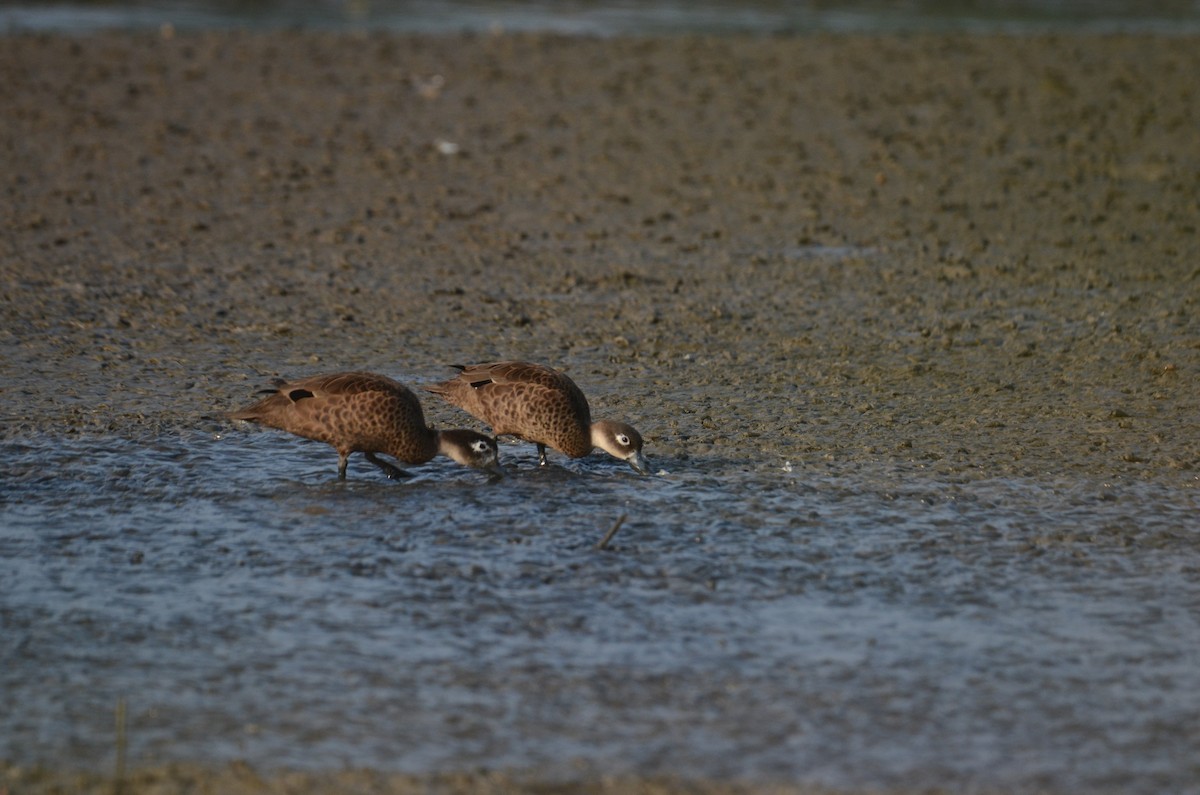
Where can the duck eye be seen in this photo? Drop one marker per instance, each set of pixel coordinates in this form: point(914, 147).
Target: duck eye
point(622, 440)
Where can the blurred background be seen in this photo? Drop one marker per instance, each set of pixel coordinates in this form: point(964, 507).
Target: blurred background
point(616, 17)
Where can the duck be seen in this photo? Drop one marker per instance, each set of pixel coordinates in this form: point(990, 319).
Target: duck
point(368, 413)
point(541, 405)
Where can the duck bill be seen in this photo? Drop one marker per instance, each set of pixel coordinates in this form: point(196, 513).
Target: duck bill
point(639, 463)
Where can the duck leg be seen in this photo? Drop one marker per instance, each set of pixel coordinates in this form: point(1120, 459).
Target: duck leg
point(541, 455)
point(343, 456)
point(392, 471)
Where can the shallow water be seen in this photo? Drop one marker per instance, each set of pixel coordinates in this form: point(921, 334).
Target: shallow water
point(855, 626)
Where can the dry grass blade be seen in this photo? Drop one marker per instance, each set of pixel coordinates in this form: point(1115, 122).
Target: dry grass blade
point(122, 747)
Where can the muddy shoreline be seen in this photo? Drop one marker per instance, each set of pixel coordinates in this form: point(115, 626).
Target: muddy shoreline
point(977, 252)
point(239, 777)
point(965, 257)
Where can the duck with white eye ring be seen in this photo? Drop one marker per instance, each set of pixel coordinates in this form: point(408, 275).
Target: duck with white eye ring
point(540, 405)
point(366, 413)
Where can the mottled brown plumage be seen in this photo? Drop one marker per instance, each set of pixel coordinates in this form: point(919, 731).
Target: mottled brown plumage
point(540, 405)
point(367, 413)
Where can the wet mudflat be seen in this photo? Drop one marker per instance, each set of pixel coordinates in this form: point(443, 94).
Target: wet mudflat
point(910, 325)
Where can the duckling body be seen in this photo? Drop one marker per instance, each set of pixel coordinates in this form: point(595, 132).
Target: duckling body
point(367, 413)
point(541, 405)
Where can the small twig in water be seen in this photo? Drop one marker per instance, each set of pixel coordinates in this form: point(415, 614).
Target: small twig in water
point(612, 531)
